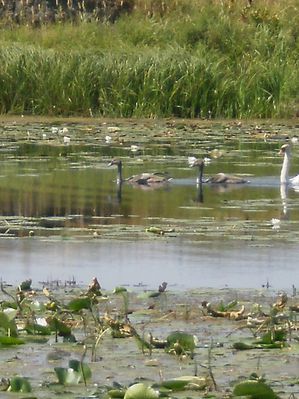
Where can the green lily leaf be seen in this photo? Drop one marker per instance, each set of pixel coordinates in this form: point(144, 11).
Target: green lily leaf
point(5, 340)
point(8, 325)
point(7, 304)
point(254, 389)
point(273, 336)
point(19, 384)
point(81, 368)
point(59, 326)
point(10, 313)
point(78, 304)
point(180, 342)
point(228, 306)
point(155, 230)
point(154, 294)
point(242, 346)
point(33, 329)
point(141, 391)
point(119, 290)
point(185, 382)
point(25, 285)
point(116, 393)
point(67, 376)
point(37, 306)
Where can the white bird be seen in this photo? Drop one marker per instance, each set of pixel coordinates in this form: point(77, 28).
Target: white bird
point(275, 223)
point(108, 139)
point(134, 148)
point(285, 150)
point(66, 140)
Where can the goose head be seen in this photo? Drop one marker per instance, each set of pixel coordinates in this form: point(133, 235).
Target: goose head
point(118, 163)
point(285, 149)
point(114, 162)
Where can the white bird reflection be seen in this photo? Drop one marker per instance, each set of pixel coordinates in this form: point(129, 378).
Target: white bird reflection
point(276, 222)
point(284, 199)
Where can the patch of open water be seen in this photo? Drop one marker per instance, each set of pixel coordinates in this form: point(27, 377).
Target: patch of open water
point(62, 215)
point(145, 264)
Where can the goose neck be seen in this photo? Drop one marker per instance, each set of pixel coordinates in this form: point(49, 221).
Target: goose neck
point(284, 175)
point(119, 173)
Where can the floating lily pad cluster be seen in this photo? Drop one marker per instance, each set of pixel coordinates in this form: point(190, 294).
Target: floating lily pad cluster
point(86, 320)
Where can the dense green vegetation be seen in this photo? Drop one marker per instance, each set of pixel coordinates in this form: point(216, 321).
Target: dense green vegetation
point(199, 58)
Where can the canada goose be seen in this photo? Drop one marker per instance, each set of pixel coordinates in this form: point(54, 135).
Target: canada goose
point(219, 178)
point(285, 150)
point(144, 179)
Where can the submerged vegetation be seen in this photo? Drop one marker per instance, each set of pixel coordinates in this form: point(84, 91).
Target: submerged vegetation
point(168, 345)
point(151, 59)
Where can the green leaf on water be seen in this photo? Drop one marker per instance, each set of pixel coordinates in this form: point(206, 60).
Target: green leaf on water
point(7, 305)
point(25, 285)
point(5, 340)
point(254, 389)
point(116, 393)
point(78, 304)
point(119, 290)
point(67, 376)
point(7, 324)
point(81, 368)
point(185, 382)
point(273, 336)
point(10, 313)
point(19, 384)
point(141, 391)
point(59, 326)
point(180, 342)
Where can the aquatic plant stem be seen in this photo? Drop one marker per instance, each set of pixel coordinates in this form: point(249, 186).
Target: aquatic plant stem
point(81, 364)
point(209, 367)
point(96, 343)
point(15, 299)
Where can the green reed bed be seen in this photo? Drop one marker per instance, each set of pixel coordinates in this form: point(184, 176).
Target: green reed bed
point(162, 83)
point(203, 60)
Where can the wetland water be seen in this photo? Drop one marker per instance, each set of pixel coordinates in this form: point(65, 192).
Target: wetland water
point(63, 216)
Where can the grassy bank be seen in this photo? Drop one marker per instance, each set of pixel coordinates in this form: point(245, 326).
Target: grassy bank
point(189, 59)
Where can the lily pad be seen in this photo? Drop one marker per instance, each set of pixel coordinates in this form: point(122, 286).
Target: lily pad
point(19, 384)
point(78, 304)
point(185, 382)
point(7, 323)
point(179, 342)
point(67, 376)
point(5, 340)
point(254, 389)
point(81, 368)
point(141, 391)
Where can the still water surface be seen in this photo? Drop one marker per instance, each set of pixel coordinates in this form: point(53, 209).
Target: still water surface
point(63, 216)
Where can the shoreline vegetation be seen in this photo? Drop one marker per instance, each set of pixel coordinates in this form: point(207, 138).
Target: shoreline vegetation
point(150, 59)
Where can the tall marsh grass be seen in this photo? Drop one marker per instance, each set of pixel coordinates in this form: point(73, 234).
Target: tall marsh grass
point(198, 59)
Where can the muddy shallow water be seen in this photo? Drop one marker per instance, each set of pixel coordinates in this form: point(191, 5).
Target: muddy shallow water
point(62, 212)
point(64, 220)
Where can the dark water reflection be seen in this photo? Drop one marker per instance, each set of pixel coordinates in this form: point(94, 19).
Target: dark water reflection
point(51, 192)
